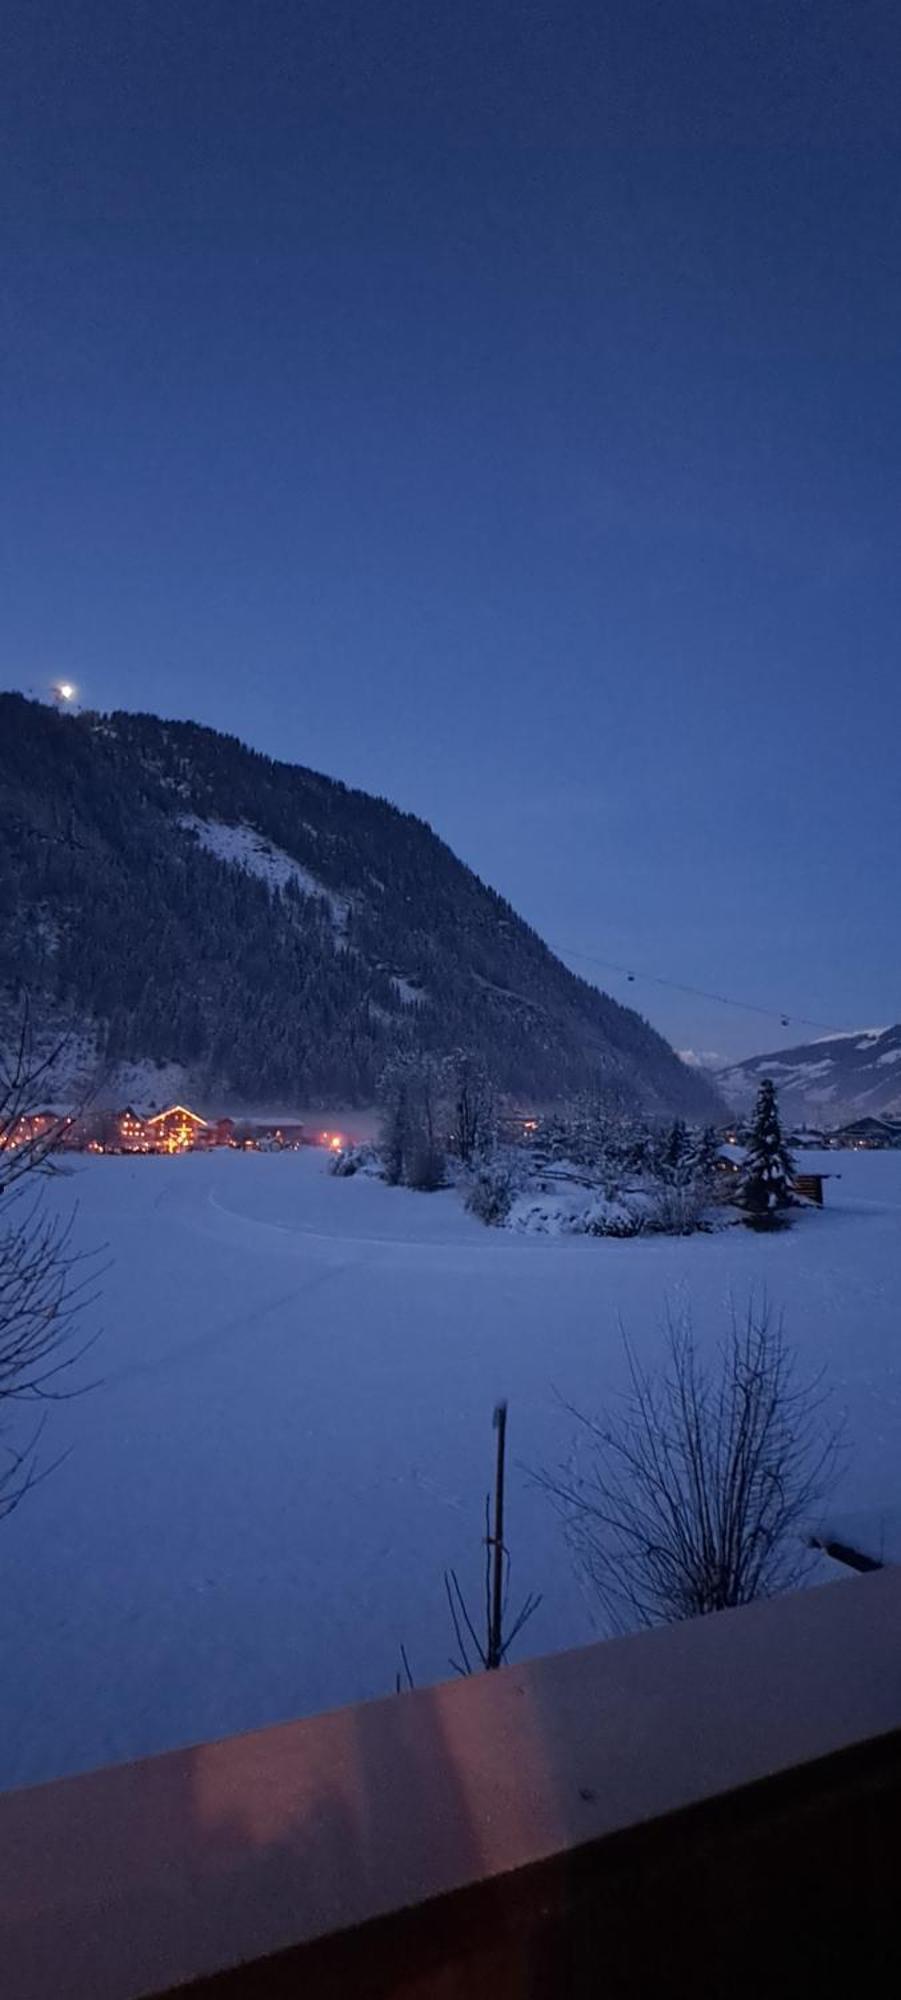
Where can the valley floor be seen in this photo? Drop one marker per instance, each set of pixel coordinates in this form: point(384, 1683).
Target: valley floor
point(289, 1434)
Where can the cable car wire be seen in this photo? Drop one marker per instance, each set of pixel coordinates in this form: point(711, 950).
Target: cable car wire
point(779, 1014)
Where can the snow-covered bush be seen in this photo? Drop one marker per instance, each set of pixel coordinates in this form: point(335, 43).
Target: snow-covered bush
point(564, 1211)
point(355, 1160)
point(492, 1191)
point(615, 1218)
point(542, 1216)
point(527, 1192)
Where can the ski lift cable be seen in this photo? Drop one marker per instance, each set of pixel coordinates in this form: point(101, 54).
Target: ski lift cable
point(779, 1014)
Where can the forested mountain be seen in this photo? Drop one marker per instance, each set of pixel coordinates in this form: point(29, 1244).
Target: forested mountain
point(186, 900)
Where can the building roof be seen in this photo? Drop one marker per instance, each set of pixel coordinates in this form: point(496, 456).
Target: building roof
point(870, 1125)
point(183, 1111)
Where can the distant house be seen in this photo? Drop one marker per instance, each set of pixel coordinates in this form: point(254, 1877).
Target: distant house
point(131, 1131)
point(868, 1134)
point(254, 1137)
point(27, 1129)
point(289, 1136)
point(88, 1132)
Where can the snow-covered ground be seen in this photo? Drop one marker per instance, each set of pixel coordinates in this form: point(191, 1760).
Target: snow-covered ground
point(291, 1437)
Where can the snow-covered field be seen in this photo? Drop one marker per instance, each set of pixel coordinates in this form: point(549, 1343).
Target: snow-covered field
point(291, 1437)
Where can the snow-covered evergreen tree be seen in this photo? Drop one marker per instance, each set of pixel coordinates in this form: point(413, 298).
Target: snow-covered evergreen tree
point(674, 1156)
point(704, 1152)
point(769, 1166)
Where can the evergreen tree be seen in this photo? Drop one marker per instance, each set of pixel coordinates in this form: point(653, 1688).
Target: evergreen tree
point(674, 1159)
point(704, 1152)
point(769, 1166)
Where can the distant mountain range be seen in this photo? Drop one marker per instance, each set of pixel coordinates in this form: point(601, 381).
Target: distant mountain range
point(258, 934)
point(829, 1081)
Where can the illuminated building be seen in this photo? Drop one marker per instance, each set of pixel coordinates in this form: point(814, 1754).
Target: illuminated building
point(175, 1130)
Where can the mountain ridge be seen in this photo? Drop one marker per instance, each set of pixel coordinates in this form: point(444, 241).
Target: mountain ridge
point(184, 899)
point(828, 1081)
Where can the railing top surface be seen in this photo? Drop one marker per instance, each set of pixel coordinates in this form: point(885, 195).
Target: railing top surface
point(139, 1877)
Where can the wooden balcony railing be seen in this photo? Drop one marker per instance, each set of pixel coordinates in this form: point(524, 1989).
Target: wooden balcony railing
point(710, 1809)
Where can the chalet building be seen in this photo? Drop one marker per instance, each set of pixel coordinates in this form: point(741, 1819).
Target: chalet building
point(868, 1134)
point(131, 1131)
point(177, 1130)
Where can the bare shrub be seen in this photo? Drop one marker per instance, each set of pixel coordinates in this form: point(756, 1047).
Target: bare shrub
point(693, 1497)
point(471, 1113)
point(410, 1104)
point(677, 1211)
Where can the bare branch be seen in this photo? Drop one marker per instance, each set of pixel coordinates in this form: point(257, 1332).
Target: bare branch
point(404, 1675)
point(696, 1493)
point(46, 1285)
point(459, 1611)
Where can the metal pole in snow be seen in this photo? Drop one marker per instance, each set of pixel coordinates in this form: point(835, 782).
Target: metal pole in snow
point(495, 1636)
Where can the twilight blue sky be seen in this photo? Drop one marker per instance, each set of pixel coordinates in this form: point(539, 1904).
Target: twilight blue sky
point(496, 406)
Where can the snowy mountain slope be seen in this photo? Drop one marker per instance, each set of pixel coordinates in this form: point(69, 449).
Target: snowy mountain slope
point(184, 901)
point(827, 1081)
point(242, 847)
